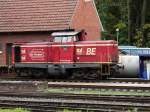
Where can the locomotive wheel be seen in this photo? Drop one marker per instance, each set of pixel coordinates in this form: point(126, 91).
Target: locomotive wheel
point(84, 74)
point(22, 74)
point(77, 74)
point(32, 73)
point(91, 75)
point(87, 74)
point(38, 73)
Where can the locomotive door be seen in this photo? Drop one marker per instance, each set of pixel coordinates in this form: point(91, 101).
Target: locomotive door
point(9, 53)
point(67, 52)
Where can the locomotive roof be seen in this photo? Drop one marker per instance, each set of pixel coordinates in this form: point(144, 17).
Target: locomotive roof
point(31, 43)
point(99, 41)
point(65, 33)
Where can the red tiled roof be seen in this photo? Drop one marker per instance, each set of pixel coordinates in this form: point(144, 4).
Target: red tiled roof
point(35, 15)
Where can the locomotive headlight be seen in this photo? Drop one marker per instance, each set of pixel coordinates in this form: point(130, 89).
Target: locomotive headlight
point(78, 58)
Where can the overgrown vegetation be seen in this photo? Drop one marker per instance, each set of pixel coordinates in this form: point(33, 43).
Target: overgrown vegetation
point(133, 110)
point(68, 110)
point(14, 110)
point(132, 17)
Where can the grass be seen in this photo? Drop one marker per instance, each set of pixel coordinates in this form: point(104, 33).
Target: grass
point(133, 110)
point(14, 110)
point(97, 91)
point(67, 110)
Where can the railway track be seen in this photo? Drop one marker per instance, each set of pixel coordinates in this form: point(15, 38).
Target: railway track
point(111, 80)
point(34, 85)
point(39, 101)
point(106, 86)
point(58, 102)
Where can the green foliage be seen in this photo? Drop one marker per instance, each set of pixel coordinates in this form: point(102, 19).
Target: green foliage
point(115, 14)
point(67, 110)
point(142, 34)
point(14, 110)
point(146, 27)
point(146, 33)
point(122, 32)
point(108, 36)
point(138, 38)
point(133, 110)
point(112, 17)
point(120, 25)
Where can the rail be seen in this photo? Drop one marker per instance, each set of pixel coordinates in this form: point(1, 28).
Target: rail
point(58, 102)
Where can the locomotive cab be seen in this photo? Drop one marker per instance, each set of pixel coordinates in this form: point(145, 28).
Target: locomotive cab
point(70, 36)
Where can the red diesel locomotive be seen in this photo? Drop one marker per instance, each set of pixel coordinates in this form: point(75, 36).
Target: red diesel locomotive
point(67, 54)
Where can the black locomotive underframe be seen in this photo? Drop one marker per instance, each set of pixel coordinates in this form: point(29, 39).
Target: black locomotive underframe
point(104, 68)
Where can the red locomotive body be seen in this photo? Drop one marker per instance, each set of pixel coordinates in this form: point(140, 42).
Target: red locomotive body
point(103, 52)
point(68, 54)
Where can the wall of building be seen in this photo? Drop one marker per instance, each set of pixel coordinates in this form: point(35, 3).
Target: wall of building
point(7, 38)
point(86, 18)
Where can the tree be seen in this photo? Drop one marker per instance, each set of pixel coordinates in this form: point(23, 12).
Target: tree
point(131, 16)
point(143, 19)
point(113, 14)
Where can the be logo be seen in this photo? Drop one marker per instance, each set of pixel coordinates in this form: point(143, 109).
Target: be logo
point(91, 51)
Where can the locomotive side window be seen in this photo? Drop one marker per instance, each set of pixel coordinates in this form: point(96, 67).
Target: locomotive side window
point(75, 39)
point(67, 39)
point(57, 39)
point(64, 39)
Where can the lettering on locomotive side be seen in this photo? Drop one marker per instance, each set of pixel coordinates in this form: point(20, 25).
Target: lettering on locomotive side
point(91, 51)
point(37, 53)
point(79, 51)
point(23, 51)
point(86, 51)
point(23, 58)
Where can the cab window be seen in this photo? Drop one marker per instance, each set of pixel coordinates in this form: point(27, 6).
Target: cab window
point(75, 38)
point(57, 39)
point(64, 39)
